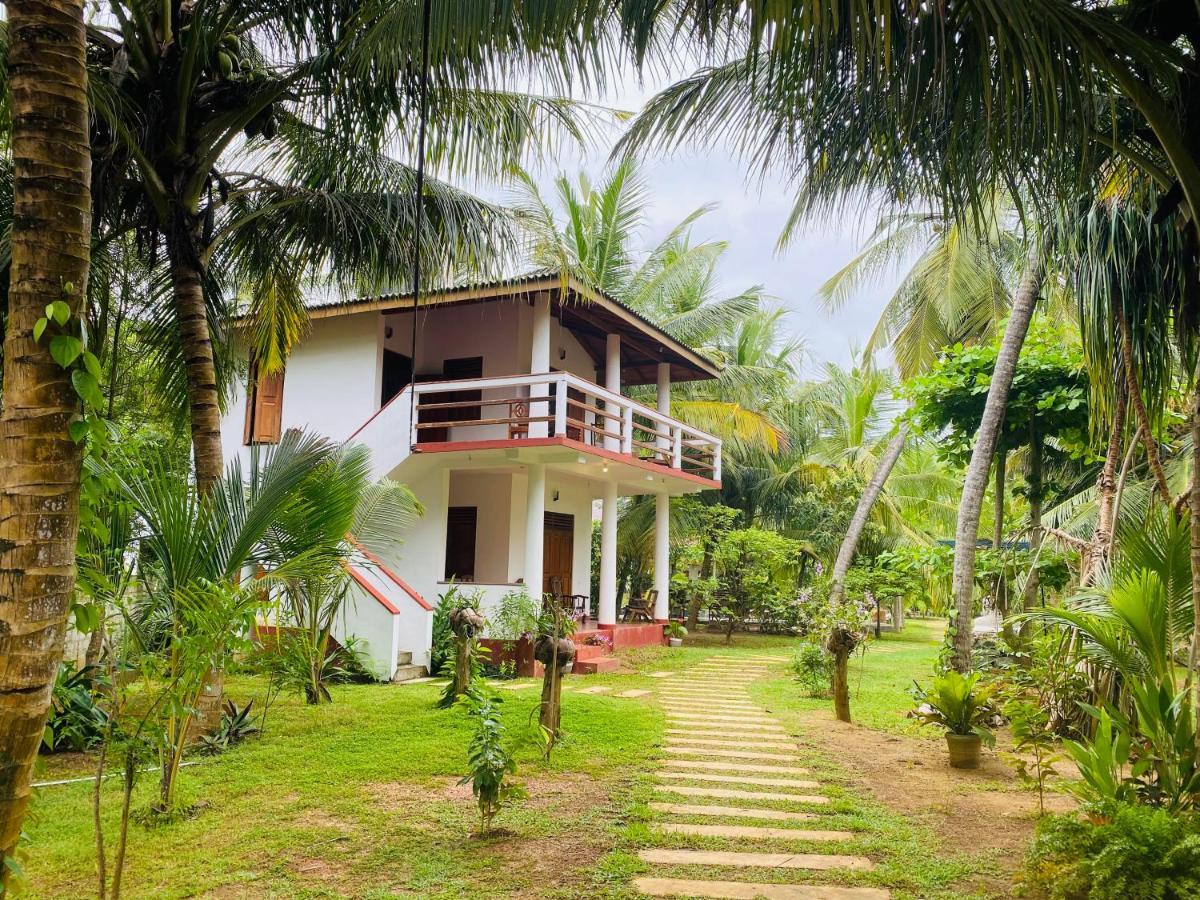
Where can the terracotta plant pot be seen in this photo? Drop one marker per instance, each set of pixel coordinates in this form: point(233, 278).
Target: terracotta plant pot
point(964, 750)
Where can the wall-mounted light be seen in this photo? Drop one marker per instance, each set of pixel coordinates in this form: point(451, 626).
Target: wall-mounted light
point(562, 353)
point(387, 332)
point(556, 496)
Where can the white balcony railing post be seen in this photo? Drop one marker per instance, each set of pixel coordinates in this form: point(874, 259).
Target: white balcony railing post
point(677, 447)
point(717, 461)
point(560, 407)
point(627, 429)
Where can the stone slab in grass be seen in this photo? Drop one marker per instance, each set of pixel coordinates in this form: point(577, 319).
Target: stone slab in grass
point(717, 793)
point(727, 716)
point(724, 700)
point(684, 736)
point(739, 779)
point(748, 724)
point(738, 767)
point(663, 674)
point(597, 689)
point(744, 890)
point(725, 734)
point(732, 812)
point(815, 861)
point(751, 832)
point(633, 693)
point(679, 750)
point(518, 686)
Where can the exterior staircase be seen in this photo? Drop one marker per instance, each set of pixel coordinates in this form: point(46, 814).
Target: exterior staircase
point(405, 670)
point(592, 659)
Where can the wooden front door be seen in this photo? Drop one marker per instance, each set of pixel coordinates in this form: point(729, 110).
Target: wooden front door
point(558, 553)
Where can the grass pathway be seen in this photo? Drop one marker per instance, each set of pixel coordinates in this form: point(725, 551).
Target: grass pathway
point(736, 817)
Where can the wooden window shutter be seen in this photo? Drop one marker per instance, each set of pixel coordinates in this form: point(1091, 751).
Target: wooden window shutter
point(264, 408)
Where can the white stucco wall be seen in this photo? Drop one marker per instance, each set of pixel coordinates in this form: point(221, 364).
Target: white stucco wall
point(332, 382)
point(491, 494)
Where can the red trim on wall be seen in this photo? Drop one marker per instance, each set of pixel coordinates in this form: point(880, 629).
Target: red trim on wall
point(377, 412)
point(371, 589)
point(412, 592)
point(578, 446)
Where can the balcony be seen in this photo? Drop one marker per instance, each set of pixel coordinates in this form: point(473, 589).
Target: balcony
point(560, 407)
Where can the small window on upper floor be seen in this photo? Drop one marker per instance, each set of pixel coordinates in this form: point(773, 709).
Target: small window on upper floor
point(264, 407)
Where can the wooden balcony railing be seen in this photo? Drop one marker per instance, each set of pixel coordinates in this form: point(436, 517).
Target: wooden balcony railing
point(558, 404)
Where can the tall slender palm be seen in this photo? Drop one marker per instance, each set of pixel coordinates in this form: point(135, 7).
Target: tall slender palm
point(39, 464)
point(674, 283)
point(954, 292)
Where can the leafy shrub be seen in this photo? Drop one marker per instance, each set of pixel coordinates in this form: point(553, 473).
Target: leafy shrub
point(299, 667)
point(77, 721)
point(490, 761)
point(517, 614)
point(813, 665)
point(957, 703)
point(1123, 852)
point(236, 725)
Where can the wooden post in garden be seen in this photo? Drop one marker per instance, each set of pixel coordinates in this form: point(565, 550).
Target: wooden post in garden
point(555, 653)
point(841, 644)
point(466, 623)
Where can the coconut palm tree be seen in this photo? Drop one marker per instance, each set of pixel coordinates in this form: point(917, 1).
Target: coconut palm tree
point(674, 284)
point(850, 102)
point(46, 104)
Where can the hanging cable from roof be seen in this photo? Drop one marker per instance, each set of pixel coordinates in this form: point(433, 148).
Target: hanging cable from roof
point(419, 196)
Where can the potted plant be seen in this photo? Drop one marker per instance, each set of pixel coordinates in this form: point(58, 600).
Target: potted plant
point(675, 633)
point(963, 707)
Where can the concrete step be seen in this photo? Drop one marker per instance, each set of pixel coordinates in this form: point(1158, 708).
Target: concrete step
point(403, 658)
point(408, 672)
point(742, 890)
point(595, 666)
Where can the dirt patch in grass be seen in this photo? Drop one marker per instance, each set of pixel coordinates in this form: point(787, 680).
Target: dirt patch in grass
point(986, 808)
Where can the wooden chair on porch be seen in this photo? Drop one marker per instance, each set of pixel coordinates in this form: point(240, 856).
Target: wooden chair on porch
point(575, 605)
point(641, 609)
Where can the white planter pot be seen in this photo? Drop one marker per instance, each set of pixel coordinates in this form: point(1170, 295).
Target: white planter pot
point(675, 642)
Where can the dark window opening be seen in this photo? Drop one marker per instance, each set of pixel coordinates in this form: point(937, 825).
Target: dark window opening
point(461, 522)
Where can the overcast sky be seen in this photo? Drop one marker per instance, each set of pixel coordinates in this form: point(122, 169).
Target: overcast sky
point(749, 219)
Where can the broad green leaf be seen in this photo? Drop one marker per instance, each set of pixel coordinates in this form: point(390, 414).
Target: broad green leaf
point(65, 349)
point(78, 430)
point(87, 387)
point(39, 328)
point(59, 312)
point(91, 363)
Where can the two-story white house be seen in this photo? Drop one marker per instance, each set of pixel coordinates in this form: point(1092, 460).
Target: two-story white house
point(503, 411)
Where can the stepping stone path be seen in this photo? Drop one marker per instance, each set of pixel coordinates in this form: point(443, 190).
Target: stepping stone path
point(724, 757)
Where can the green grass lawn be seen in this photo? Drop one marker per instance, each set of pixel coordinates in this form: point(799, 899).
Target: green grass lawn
point(359, 798)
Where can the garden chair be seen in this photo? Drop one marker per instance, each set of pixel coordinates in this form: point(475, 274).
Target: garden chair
point(641, 609)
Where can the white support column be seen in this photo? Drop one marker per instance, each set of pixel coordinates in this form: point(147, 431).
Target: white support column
point(662, 556)
point(535, 527)
point(539, 363)
point(664, 407)
point(608, 557)
point(612, 381)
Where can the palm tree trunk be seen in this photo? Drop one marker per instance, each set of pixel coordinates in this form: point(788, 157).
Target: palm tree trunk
point(191, 314)
point(1106, 492)
point(1194, 500)
point(1134, 391)
point(998, 530)
point(1035, 516)
point(39, 463)
point(975, 484)
point(863, 512)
